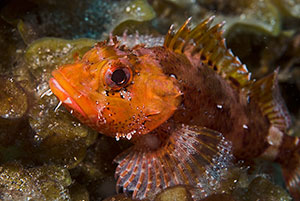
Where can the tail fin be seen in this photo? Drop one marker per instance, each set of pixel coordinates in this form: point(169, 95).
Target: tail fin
point(284, 148)
point(189, 155)
point(289, 158)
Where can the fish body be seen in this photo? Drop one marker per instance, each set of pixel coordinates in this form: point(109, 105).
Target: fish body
point(189, 106)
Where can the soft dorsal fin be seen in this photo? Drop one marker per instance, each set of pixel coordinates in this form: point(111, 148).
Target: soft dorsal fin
point(208, 44)
point(267, 95)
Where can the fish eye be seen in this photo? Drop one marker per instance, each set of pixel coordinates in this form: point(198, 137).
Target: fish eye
point(116, 78)
point(119, 76)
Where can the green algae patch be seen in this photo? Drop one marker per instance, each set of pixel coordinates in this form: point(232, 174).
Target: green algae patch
point(38, 183)
point(59, 137)
point(46, 54)
point(174, 193)
point(138, 10)
point(120, 197)
point(262, 189)
point(216, 197)
point(289, 8)
point(13, 100)
point(260, 16)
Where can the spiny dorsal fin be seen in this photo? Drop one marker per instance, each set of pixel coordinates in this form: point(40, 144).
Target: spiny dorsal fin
point(266, 93)
point(189, 156)
point(207, 43)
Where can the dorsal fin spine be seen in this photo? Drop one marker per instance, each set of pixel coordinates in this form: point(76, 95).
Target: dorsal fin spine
point(179, 33)
point(202, 26)
point(207, 44)
point(169, 36)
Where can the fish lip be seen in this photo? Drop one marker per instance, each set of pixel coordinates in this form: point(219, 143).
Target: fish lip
point(63, 95)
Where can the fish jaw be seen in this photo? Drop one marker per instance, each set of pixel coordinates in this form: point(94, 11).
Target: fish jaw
point(70, 97)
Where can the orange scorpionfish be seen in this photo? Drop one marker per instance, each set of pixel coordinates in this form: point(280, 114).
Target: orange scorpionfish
point(189, 106)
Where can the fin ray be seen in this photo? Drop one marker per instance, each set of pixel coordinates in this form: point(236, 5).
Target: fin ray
point(289, 158)
point(266, 93)
point(180, 33)
point(198, 153)
point(176, 172)
point(207, 44)
point(125, 162)
point(189, 167)
point(189, 156)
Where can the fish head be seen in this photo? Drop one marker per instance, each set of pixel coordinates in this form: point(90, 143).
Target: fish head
point(117, 91)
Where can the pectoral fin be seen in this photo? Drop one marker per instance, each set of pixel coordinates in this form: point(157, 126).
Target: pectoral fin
point(189, 155)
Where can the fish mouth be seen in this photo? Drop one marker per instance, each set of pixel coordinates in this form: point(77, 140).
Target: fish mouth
point(69, 96)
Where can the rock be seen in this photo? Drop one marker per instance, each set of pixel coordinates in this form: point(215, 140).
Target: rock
point(289, 7)
point(263, 190)
point(39, 183)
point(120, 197)
point(96, 171)
point(174, 193)
point(13, 100)
point(59, 137)
point(79, 193)
point(218, 197)
point(45, 55)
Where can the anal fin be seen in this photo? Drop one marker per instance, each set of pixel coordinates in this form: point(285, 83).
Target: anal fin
point(188, 156)
point(266, 93)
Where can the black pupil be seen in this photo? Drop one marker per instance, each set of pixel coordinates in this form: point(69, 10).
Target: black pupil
point(118, 76)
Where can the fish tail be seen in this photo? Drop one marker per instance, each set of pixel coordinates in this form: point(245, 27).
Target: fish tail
point(289, 158)
point(283, 148)
point(188, 156)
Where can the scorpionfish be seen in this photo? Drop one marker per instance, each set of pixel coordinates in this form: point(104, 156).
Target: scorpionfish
point(189, 106)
